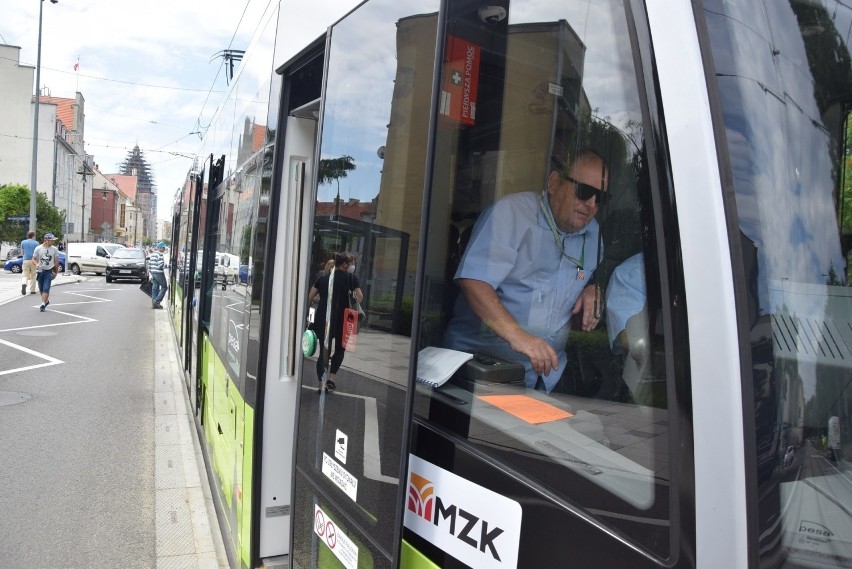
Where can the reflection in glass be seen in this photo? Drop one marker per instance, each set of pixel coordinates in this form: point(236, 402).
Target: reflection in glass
point(555, 114)
point(370, 173)
point(785, 109)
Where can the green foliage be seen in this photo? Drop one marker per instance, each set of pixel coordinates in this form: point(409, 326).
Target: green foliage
point(335, 168)
point(15, 201)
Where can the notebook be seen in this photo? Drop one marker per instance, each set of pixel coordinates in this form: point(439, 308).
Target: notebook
point(436, 365)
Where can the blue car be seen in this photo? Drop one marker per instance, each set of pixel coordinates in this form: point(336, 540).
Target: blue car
point(16, 265)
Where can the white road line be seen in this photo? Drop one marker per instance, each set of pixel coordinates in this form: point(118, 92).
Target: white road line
point(372, 451)
point(98, 299)
point(82, 320)
point(50, 361)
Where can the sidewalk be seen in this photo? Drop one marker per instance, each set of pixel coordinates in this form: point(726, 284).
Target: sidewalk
point(187, 530)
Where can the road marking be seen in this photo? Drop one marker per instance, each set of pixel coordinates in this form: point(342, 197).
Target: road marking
point(50, 361)
point(372, 451)
point(82, 320)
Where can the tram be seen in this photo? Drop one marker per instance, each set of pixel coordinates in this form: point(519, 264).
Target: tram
point(707, 424)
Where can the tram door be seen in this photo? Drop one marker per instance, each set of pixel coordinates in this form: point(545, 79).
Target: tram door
point(368, 205)
point(281, 389)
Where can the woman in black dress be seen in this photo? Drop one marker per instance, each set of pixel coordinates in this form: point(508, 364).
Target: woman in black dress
point(328, 318)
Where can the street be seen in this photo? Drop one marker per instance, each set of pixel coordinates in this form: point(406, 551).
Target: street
point(99, 468)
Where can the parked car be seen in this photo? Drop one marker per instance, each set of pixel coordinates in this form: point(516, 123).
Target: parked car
point(87, 257)
point(126, 263)
point(16, 265)
point(13, 253)
point(245, 274)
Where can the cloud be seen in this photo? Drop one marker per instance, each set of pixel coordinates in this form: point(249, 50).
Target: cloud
point(145, 71)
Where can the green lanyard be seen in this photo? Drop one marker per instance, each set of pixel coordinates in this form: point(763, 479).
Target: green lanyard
point(560, 243)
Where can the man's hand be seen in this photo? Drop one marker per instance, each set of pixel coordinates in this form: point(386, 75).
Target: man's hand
point(542, 356)
point(590, 304)
point(484, 302)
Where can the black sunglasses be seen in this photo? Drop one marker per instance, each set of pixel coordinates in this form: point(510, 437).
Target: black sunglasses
point(585, 191)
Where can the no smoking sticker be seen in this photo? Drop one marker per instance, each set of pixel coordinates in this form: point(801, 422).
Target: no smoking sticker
point(335, 539)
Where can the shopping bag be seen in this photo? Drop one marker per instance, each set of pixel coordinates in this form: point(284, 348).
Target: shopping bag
point(146, 287)
point(350, 329)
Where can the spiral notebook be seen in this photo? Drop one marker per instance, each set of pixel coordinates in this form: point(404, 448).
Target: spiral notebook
point(436, 365)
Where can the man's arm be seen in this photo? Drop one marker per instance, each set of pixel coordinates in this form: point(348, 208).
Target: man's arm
point(311, 295)
point(483, 300)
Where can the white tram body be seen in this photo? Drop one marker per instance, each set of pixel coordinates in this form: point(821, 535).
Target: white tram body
point(703, 420)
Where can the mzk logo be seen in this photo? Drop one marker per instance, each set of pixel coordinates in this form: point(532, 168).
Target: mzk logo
point(451, 518)
point(421, 496)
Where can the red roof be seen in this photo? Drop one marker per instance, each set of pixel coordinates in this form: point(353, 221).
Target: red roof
point(127, 184)
point(64, 110)
point(353, 209)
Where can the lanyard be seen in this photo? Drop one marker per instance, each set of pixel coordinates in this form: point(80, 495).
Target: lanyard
point(560, 243)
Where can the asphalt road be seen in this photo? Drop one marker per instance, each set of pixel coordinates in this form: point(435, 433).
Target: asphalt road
point(77, 426)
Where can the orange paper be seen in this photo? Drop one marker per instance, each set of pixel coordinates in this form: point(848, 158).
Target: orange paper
point(527, 408)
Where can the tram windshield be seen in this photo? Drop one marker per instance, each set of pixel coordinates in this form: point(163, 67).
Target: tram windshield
point(541, 215)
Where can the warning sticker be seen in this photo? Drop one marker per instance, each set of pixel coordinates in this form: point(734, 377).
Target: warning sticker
point(337, 541)
point(341, 477)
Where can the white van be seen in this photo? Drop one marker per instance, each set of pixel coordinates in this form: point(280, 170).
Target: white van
point(86, 258)
point(227, 267)
point(111, 247)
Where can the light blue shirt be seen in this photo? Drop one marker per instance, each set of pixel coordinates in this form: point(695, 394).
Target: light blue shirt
point(28, 247)
point(513, 249)
point(625, 295)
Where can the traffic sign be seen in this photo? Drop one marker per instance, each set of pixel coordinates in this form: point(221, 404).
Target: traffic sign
point(23, 218)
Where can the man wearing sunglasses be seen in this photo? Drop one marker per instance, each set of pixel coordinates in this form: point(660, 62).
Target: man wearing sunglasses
point(527, 270)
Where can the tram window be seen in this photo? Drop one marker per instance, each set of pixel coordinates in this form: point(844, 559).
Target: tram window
point(540, 199)
point(789, 162)
point(228, 288)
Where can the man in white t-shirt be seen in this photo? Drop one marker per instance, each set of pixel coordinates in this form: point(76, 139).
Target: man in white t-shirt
point(46, 260)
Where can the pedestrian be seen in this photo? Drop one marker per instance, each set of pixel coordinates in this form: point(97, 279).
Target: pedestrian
point(28, 274)
point(156, 266)
point(46, 261)
point(333, 290)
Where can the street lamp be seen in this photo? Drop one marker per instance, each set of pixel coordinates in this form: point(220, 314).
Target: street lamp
point(34, 174)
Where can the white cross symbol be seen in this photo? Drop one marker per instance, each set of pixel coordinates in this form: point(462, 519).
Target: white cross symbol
point(456, 78)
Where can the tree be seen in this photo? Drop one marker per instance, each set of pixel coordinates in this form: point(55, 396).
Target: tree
point(15, 202)
point(334, 169)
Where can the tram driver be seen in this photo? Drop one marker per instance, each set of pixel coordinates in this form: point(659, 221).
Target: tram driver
point(528, 270)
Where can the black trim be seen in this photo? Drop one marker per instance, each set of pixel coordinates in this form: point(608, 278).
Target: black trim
point(197, 186)
point(429, 165)
point(729, 203)
point(673, 296)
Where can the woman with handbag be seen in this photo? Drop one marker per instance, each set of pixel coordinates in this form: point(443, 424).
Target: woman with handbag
point(333, 290)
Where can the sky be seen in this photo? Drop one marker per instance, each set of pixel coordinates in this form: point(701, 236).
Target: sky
point(148, 71)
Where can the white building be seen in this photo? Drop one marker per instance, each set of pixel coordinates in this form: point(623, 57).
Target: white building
point(61, 154)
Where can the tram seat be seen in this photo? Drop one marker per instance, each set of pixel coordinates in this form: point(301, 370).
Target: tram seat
point(633, 340)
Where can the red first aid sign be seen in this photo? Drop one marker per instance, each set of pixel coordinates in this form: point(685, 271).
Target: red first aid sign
point(461, 80)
